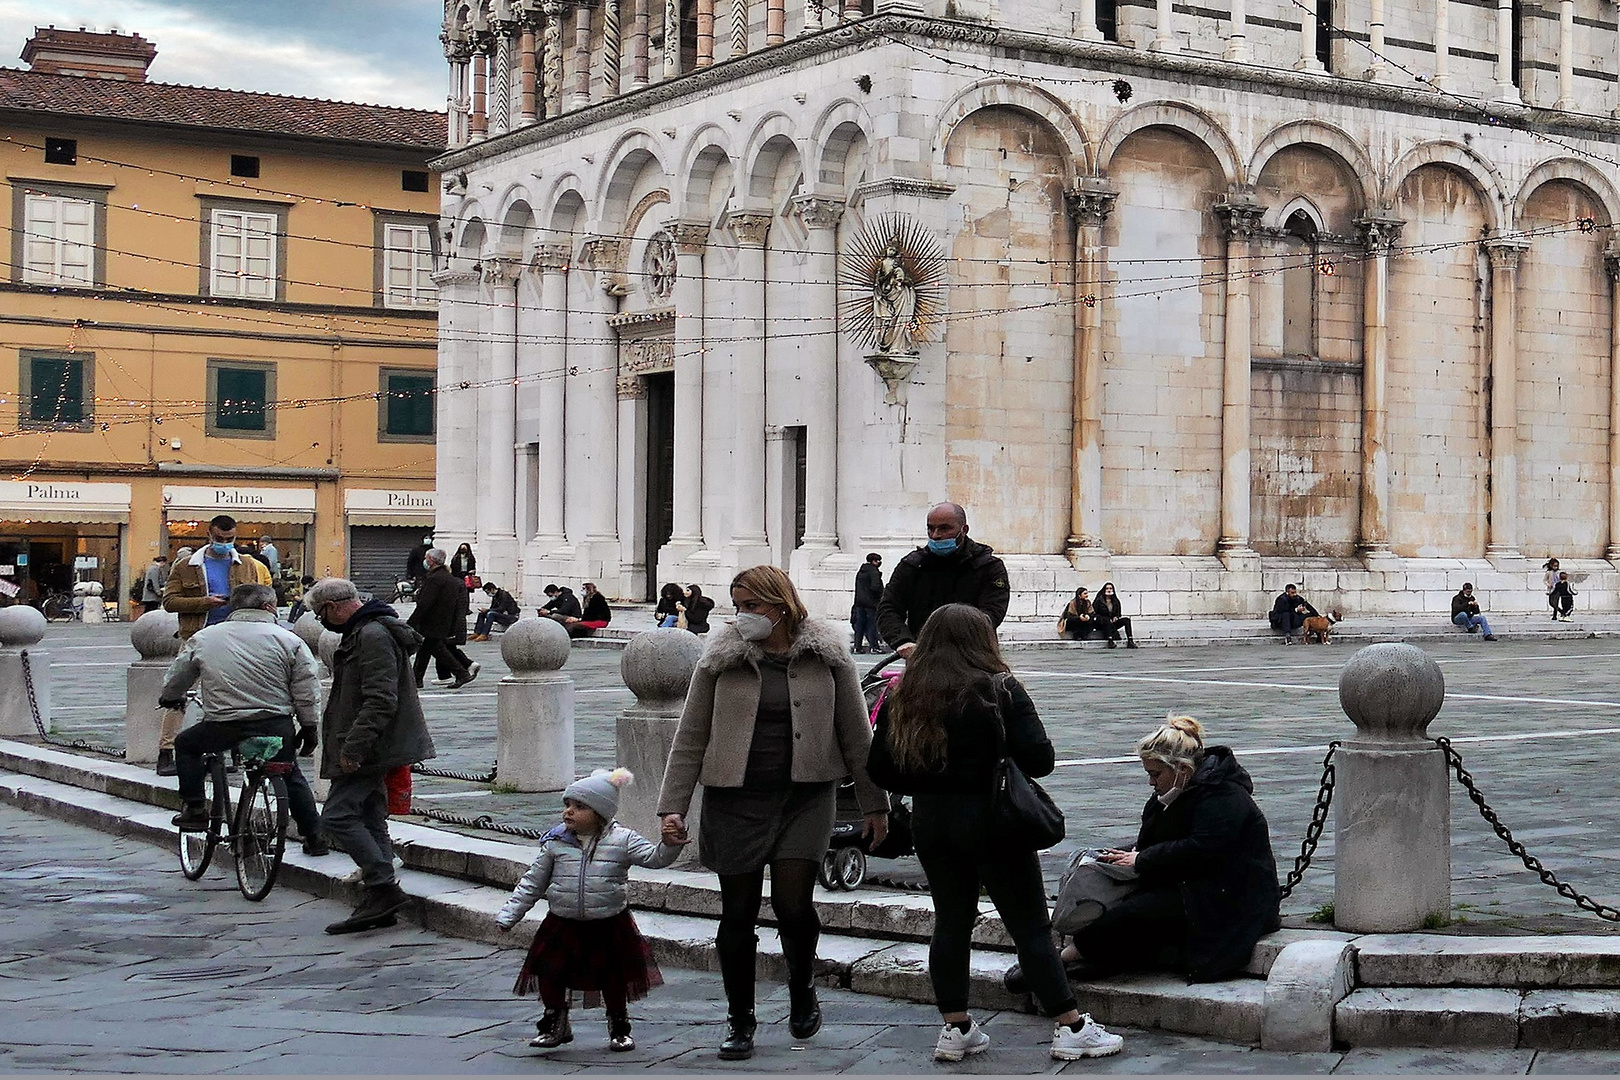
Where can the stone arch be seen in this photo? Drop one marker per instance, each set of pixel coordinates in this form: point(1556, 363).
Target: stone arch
point(769, 146)
point(470, 231)
point(708, 155)
point(1184, 118)
point(623, 166)
point(1324, 137)
point(839, 130)
point(1460, 159)
point(1573, 171)
point(1012, 94)
point(1297, 205)
point(517, 219)
point(568, 222)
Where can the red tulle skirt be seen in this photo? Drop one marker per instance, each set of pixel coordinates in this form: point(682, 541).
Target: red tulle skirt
point(590, 955)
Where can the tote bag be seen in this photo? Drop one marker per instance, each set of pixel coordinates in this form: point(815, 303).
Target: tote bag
point(1021, 811)
point(1088, 889)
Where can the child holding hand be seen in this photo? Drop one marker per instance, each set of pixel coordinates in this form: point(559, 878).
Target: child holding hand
point(588, 940)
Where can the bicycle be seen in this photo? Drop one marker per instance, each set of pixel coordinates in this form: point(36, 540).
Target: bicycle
point(57, 605)
point(258, 829)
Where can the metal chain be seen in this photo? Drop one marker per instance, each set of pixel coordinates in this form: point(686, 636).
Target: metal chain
point(1313, 831)
point(451, 774)
point(482, 821)
point(1454, 759)
point(39, 724)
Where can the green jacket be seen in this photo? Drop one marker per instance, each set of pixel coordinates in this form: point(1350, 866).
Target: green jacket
point(373, 716)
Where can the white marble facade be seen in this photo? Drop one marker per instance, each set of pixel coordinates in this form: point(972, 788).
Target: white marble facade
point(1266, 319)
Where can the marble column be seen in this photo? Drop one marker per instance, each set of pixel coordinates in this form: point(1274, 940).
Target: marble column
point(552, 261)
point(1377, 66)
point(1088, 21)
point(478, 122)
point(527, 108)
point(821, 214)
point(672, 36)
point(456, 103)
point(1240, 217)
point(775, 22)
point(551, 57)
point(747, 328)
point(852, 10)
point(1442, 44)
point(812, 17)
point(739, 28)
point(705, 33)
point(1164, 30)
point(1566, 55)
point(630, 487)
point(611, 46)
point(1308, 60)
point(582, 57)
point(1505, 251)
point(1089, 206)
point(497, 430)
point(1505, 90)
point(639, 73)
point(1611, 265)
point(1380, 234)
point(1237, 44)
point(500, 83)
point(454, 422)
point(691, 240)
point(593, 407)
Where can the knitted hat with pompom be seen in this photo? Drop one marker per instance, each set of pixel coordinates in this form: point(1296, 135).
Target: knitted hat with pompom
point(600, 791)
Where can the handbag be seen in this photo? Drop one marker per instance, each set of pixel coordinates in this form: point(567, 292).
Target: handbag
point(473, 581)
point(1022, 814)
point(1088, 889)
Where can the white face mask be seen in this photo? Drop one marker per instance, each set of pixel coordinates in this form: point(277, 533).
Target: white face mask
point(1170, 796)
point(754, 627)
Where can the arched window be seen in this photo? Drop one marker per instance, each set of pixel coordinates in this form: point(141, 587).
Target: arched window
point(1324, 33)
point(1299, 285)
point(1516, 57)
point(1108, 19)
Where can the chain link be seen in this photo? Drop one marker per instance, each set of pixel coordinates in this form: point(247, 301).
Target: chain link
point(1313, 831)
point(451, 774)
point(1564, 889)
point(481, 821)
point(39, 724)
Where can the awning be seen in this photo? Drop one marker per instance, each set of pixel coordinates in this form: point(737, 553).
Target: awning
point(294, 505)
point(389, 506)
point(64, 502)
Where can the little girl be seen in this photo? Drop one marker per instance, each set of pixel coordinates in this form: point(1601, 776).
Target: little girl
point(588, 941)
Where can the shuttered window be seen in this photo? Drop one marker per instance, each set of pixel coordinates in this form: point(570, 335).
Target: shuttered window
point(59, 241)
point(54, 390)
point(407, 405)
point(243, 247)
point(407, 267)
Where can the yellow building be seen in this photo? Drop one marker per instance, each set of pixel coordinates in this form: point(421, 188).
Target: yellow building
point(215, 302)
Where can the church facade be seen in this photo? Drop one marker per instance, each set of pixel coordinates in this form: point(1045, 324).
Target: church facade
point(1198, 301)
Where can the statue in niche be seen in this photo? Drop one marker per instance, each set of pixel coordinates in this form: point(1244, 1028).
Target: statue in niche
point(894, 270)
point(894, 304)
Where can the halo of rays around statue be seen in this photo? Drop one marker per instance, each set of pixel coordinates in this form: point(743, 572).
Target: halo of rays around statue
point(923, 262)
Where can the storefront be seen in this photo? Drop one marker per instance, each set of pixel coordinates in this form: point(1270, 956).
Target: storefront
point(285, 516)
point(56, 533)
point(384, 525)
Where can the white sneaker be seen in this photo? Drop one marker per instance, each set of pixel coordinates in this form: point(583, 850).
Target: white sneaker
point(1089, 1042)
point(954, 1045)
point(353, 877)
point(473, 670)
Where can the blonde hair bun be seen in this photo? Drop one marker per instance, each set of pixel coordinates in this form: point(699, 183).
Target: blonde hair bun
point(1178, 742)
point(1187, 725)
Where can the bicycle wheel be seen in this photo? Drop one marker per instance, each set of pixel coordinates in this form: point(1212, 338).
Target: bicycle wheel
point(260, 834)
point(197, 848)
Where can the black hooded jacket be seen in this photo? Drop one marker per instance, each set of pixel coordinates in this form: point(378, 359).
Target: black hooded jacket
point(923, 582)
point(373, 716)
point(1213, 843)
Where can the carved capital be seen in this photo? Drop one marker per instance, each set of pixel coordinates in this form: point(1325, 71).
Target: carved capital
point(1090, 206)
point(690, 237)
point(551, 257)
point(749, 227)
point(1505, 250)
point(1239, 218)
point(601, 254)
point(504, 28)
point(501, 271)
point(454, 279)
point(1379, 234)
point(819, 211)
point(630, 387)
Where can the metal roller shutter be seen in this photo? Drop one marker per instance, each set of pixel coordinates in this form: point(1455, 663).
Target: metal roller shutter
point(377, 555)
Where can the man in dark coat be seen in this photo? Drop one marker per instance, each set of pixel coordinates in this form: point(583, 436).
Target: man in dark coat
point(414, 570)
point(441, 618)
point(868, 594)
point(1289, 612)
point(502, 611)
point(950, 569)
point(561, 604)
point(373, 723)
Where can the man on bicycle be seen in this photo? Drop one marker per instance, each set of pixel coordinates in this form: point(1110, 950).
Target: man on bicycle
point(257, 677)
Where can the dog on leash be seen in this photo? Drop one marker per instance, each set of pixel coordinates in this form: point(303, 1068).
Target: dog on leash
point(1318, 629)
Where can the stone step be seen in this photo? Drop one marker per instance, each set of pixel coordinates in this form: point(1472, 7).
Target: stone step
point(1479, 1016)
point(1410, 960)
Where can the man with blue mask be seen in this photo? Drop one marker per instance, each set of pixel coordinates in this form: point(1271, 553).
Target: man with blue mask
point(951, 568)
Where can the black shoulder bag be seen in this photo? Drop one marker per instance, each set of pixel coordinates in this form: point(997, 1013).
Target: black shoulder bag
point(1022, 813)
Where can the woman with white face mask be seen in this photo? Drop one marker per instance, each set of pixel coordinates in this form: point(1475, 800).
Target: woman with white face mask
point(773, 720)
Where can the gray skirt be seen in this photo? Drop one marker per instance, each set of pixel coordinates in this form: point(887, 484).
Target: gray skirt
point(741, 831)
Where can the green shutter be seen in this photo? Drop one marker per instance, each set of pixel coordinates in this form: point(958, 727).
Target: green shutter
point(239, 399)
point(410, 404)
point(56, 390)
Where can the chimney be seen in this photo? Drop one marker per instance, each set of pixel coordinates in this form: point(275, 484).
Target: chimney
point(121, 57)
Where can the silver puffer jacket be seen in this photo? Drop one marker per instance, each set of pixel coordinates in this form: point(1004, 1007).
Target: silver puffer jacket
point(584, 881)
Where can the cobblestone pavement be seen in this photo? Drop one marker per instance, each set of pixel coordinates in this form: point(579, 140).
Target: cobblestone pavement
point(1545, 713)
point(110, 961)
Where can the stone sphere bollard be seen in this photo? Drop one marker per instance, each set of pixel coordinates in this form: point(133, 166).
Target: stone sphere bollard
point(156, 636)
point(657, 666)
point(534, 709)
point(309, 630)
point(326, 648)
point(21, 629)
point(1392, 801)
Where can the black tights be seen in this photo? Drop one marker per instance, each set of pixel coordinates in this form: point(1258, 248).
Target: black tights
point(792, 884)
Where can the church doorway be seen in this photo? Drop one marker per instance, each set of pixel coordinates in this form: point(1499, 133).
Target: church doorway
point(659, 471)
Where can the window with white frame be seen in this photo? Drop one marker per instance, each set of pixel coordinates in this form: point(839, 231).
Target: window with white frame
point(243, 246)
point(59, 241)
point(407, 266)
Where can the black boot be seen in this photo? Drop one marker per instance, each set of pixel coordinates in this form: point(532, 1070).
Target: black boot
point(378, 906)
point(739, 1041)
point(165, 763)
point(804, 1011)
point(553, 1030)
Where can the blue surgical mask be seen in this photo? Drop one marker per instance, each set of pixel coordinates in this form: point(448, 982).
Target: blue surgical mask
point(221, 550)
point(943, 547)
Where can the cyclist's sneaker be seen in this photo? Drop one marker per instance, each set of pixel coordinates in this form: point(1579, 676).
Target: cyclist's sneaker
point(315, 847)
point(194, 818)
point(353, 876)
point(954, 1044)
point(1089, 1041)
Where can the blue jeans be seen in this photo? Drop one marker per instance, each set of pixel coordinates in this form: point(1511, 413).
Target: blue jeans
point(488, 619)
point(1471, 623)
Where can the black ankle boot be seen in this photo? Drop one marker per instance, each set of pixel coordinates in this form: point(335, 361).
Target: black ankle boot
point(739, 1041)
point(804, 1012)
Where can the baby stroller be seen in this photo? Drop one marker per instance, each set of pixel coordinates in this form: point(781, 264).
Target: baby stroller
point(844, 866)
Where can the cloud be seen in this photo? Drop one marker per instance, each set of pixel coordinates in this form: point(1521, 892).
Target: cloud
point(379, 53)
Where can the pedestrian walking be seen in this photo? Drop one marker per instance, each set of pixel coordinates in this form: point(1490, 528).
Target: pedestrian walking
point(153, 583)
point(414, 570)
point(951, 568)
point(1563, 597)
point(868, 595)
point(373, 723)
point(1465, 612)
point(588, 940)
point(1110, 618)
point(440, 614)
point(774, 719)
point(939, 738)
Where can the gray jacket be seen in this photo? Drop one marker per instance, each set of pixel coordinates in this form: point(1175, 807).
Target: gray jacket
point(157, 576)
point(251, 668)
point(584, 881)
point(373, 716)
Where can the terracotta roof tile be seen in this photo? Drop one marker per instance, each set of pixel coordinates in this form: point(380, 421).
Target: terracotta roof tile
point(229, 110)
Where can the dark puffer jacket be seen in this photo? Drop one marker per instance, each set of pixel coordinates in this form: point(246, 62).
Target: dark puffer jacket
point(441, 605)
point(923, 582)
point(373, 716)
point(1212, 841)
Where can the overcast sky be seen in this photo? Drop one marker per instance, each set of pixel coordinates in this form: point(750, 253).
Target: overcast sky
point(383, 52)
